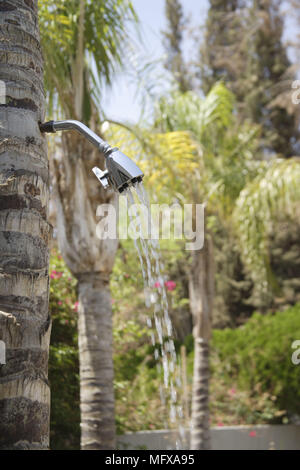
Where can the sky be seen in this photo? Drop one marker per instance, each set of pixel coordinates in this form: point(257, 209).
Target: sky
point(121, 103)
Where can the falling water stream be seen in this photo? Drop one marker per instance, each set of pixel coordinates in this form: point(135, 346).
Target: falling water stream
point(156, 296)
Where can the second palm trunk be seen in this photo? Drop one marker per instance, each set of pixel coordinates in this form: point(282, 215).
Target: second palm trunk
point(96, 365)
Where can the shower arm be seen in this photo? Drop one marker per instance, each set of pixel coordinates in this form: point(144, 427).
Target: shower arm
point(70, 124)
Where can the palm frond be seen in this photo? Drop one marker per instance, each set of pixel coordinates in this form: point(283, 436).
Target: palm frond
point(105, 35)
point(269, 196)
point(202, 116)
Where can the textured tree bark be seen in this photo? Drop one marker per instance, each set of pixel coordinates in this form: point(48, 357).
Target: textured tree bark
point(96, 367)
point(77, 195)
point(201, 291)
point(24, 233)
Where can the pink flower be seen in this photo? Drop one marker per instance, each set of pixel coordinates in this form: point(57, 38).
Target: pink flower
point(76, 306)
point(59, 257)
point(220, 424)
point(55, 274)
point(157, 284)
point(252, 433)
point(126, 275)
point(69, 279)
point(170, 285)
point(59, 302)
point(112, 301)
point(232, 391)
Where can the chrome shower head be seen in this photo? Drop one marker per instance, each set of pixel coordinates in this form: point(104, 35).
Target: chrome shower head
point(120, 172)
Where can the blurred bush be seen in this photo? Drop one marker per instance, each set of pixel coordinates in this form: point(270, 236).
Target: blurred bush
point(256, 359)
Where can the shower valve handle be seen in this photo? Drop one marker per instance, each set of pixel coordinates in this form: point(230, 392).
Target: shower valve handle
point(103, 176)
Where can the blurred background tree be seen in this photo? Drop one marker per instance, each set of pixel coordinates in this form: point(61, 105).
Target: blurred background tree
point(243, 46)
point(173, 39)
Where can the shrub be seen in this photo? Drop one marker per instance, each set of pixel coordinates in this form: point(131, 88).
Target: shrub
point(257, 357)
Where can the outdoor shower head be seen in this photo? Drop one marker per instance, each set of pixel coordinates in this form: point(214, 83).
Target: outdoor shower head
point(120, 172)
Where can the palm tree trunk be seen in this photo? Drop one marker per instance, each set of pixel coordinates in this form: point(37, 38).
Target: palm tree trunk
point(96, 366)
point(24, 233)
point(201, 300)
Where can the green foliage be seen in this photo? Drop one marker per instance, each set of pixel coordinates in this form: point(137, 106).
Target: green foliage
point(223, 44)
point(232, 405)
point(264, 200)
point(63, 360)
point(137, 381)
point(285, 261)
point(188, 111)
point(257, 358)
point(91, 54)
point(243, 46)
point(230, 175)
point(226, 149)
point(65, 407)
